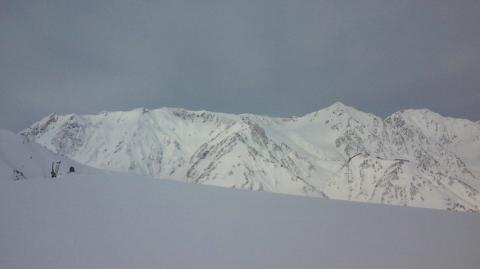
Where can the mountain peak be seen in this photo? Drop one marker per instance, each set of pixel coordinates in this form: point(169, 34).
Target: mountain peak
point(341, 107)
point(339, 112)
point(337, 105)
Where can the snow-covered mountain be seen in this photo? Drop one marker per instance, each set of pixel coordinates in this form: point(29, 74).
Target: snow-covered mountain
point(20, 159)
point(412, 158)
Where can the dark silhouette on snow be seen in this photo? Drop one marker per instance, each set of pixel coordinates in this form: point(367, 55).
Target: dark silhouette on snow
point(53, 171)
point(55, 168)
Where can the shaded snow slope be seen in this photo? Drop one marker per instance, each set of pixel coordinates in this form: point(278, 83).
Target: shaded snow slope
point(134, 222)
point(412, 158)
point(20, 159)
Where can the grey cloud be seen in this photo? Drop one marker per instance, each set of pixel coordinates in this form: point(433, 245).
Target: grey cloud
point(268, 57)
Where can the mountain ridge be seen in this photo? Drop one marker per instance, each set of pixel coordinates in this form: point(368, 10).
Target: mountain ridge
point(412, 157)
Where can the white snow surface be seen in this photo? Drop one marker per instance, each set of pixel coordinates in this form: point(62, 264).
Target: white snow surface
point(106, 221)
point(20, 159)
point(411, 158)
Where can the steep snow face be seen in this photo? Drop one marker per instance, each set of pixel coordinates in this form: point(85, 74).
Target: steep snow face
point(20, 159)
point(412, 158)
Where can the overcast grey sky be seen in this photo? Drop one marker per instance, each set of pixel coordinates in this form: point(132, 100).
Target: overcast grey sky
point(275, 57)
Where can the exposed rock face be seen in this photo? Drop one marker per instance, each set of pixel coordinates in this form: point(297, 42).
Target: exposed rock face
point(412, 158)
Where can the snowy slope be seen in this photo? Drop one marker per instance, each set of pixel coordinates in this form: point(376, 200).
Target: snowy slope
point(412, 158)
point(133, 222)
point(20, 159)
